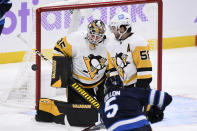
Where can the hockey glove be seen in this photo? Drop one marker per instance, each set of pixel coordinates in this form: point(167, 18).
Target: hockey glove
point(61, 72)
point(155, 114)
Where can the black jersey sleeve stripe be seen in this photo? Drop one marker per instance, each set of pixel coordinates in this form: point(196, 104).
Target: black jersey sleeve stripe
point(58, 50)
point(144, 69)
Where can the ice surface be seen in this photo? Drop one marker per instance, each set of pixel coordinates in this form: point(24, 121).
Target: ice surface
point(179, 79)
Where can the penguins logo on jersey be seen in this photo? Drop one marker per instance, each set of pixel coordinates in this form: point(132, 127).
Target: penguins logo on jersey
point(94, 64)
point(120, 62)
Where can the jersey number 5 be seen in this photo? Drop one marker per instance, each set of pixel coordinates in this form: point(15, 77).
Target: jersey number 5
point(112, 109)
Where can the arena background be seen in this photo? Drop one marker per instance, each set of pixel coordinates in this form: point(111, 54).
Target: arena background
point(179, 27)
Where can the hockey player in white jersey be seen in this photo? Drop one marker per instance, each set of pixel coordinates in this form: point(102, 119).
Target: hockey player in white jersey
point(130, 55)
point(81, 57)
point(89, 56)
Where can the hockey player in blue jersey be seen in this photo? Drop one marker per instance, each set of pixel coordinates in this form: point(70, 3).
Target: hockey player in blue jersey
point(5, 6)
point(122, 107)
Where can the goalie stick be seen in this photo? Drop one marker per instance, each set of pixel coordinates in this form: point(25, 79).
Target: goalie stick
point(85, 95)
point(91, 100)
point(36, 67)
point(36, 51)
point(81, 91)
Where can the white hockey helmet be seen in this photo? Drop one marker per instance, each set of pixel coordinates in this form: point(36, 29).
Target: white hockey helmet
point(96, 32)
point(121, 19)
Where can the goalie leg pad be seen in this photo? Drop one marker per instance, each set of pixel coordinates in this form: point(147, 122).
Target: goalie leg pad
point(81, 115)
point(46, 110)
point(43, 116)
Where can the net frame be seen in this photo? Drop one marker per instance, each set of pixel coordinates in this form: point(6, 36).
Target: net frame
point(94, 5)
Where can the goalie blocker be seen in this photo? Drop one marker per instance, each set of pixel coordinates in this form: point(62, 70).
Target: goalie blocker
point(62, 71)
point(80, 114)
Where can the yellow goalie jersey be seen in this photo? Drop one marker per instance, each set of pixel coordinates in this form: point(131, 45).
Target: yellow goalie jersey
point(88, 65)
point(131, 59)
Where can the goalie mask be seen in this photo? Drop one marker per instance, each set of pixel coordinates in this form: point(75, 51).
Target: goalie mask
point(96, 31)
point(121, 20)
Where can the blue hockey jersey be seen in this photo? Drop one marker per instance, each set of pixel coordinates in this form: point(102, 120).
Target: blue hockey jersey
point(5, 6)
point(122, 108)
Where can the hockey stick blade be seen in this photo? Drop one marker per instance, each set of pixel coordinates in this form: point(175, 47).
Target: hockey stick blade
point(34, 67)
point(95, 127)
point(36, 50)
point(42, 56)
point(81, 91)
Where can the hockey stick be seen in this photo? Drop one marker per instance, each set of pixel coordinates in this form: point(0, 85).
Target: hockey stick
point(42, 56)
point(95, 127)
point(91, 100)
point(35, 67)
point(36, 51)
point(81, 91)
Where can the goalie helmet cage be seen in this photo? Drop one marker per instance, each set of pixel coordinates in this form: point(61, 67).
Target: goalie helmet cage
point(56, 20)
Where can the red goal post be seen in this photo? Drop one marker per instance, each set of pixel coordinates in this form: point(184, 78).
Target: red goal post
point(108, 3)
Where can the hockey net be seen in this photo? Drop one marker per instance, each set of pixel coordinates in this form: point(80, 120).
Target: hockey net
point(56, 20)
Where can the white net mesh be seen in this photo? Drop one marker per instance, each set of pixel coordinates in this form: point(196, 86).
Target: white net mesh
point(59, 23)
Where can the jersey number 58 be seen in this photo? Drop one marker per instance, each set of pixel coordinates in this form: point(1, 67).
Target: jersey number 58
point(144, 54)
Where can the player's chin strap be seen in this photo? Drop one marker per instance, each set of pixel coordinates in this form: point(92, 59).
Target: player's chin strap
point(121, 34)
